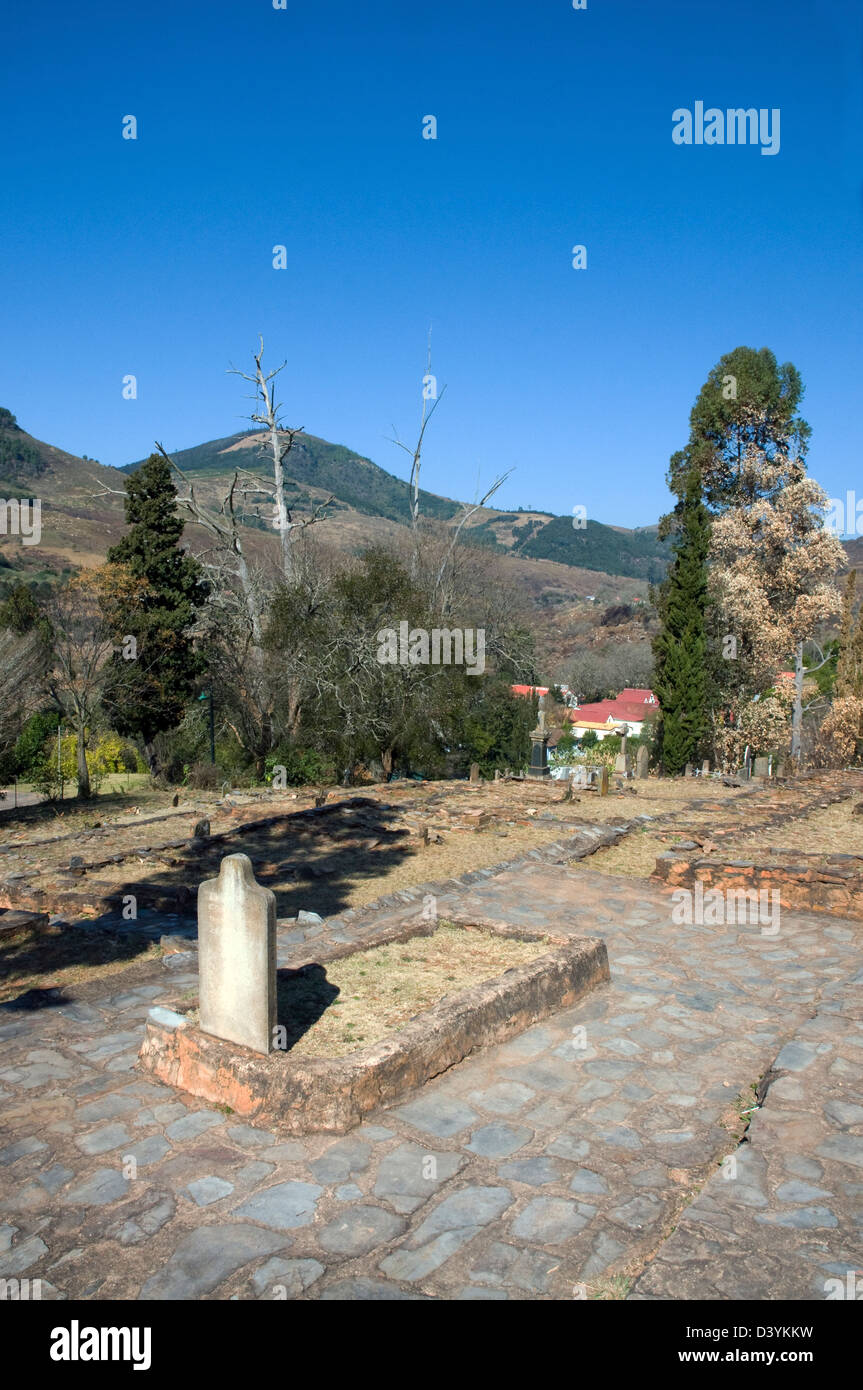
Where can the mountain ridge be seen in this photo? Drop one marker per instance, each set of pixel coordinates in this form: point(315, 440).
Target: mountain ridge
point(320, 467)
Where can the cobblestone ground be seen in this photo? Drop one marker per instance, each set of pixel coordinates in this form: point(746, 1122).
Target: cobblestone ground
point(587, 1148)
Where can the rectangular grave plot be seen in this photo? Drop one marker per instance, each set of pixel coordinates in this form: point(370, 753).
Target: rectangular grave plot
point(301, 1094)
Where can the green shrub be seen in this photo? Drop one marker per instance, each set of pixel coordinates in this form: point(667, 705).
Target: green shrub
point(302, 766)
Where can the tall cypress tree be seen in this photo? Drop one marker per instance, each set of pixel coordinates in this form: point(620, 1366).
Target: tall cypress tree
point(680, 647)
point(147, 694)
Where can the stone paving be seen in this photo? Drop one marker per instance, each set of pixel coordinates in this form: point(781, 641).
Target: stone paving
point(584, 1149)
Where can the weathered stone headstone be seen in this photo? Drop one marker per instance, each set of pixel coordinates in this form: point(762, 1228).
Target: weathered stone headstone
point(762, 767)
point(497, 774)
point(747, 765)
point(237, 956)
point(689, 770)
point(642, 763)
point(474, 772)
point(603, 780)
point(705, 768)
point(202, 830)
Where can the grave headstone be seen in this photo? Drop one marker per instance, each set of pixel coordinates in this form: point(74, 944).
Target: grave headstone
point(474, 773)
point(689, 770)
point(762, 767)
point(705, 768)
point(202, 830)
point(642, 763)
point(237, 956)
point(603, 780)
point(747, 765)
point(539, 746)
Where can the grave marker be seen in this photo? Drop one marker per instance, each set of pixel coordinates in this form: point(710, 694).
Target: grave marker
point(237, 956)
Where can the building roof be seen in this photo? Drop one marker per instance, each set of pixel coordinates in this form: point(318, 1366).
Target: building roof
point(529, 689)
point(617, 711)
point(638, 695)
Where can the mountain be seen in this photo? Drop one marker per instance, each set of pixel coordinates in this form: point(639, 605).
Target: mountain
point(317, 469)
point(79, 518)
point(582, 587)
point(316, 466)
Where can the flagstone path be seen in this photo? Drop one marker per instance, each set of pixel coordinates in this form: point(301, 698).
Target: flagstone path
point(586, 1148)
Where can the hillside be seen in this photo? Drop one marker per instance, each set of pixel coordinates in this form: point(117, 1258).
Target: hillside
point(316, 465)
point(570, 579)
point(82, 515)
point(317, 468)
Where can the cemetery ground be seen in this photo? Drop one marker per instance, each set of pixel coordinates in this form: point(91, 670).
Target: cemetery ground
point(691, 1129)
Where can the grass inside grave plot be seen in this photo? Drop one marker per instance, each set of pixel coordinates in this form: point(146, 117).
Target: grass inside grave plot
point(365, 996)
point(634, 856)
point(826, 830)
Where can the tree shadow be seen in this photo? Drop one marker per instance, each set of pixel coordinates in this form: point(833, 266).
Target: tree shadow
point(78, 947)
point(310, 860)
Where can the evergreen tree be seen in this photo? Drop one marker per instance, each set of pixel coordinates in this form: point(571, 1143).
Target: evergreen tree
point(748, 402)
point(680, 647)
point(771, 563)
point(158, 589)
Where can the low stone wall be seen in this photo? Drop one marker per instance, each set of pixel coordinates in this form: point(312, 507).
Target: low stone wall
point(806, 882)
point(302, 1095)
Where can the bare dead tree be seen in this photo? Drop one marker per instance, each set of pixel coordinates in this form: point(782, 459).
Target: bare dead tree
point(81, 644)
point(429, 394)
point(280, 443)
point(468, 510)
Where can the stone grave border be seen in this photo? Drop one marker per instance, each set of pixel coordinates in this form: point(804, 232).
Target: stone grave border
point(311, 1095)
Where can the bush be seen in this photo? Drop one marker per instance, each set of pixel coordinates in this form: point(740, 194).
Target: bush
point(29, 752)
point(302, 766)
point(204, 776)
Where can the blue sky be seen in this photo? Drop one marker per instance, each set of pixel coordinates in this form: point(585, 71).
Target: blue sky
point(303, 127)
